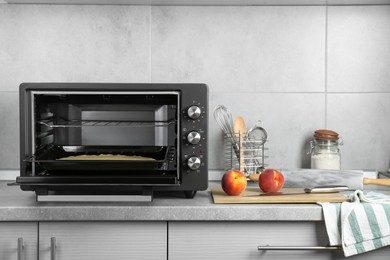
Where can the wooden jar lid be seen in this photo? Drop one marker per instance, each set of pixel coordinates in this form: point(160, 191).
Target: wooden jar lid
point(326, 135)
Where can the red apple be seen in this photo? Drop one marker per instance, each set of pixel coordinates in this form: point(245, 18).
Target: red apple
point(271, 180)
point(233, 182)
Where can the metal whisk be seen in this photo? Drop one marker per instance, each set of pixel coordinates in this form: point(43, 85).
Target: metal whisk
point(225, 121)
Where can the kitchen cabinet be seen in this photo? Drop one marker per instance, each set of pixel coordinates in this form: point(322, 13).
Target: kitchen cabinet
point(240, 240)
point(204, 2)
point(155, 240)
point(102, 240)
point(18, 240)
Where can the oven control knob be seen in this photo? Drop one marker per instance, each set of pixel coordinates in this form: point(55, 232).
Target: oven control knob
point(194, 112)
point(193, 163)
point(193, 137)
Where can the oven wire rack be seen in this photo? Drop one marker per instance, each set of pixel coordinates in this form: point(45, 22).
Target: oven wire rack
point(87, 123)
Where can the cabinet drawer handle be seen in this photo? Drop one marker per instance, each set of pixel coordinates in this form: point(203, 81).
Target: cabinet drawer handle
point(276, 248)
point(53, 247)
point(20, 249)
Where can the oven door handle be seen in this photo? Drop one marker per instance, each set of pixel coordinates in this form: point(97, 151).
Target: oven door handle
point(95, 198)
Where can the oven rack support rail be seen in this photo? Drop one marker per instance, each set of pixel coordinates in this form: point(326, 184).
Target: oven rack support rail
point(94, 123)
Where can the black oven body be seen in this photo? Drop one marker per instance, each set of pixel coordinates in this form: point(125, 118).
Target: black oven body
point(88, 138)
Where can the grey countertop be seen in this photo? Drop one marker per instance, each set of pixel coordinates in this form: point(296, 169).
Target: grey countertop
point(18, 205)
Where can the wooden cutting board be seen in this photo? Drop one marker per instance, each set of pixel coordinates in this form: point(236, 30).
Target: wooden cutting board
point(220, 197)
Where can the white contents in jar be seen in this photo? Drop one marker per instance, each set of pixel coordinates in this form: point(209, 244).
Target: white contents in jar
point(328, 161)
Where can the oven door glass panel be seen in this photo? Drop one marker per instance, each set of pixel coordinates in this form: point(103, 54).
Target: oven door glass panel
point(134, 125)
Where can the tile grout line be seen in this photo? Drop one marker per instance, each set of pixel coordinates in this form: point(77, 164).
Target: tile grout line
point(302, 92)
point(150, 44)
point(326, 67)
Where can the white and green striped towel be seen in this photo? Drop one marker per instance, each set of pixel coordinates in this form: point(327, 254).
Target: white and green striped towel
point(361, 225)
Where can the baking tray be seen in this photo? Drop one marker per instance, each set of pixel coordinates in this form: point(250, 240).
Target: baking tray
point(49, 158)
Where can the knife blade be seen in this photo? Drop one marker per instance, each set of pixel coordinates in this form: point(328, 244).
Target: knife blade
point(317, 189)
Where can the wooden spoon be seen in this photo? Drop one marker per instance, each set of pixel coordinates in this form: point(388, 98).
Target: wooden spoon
point(240, 130)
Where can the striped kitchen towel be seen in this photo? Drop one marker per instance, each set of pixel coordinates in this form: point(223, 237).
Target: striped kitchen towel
point(361, 225)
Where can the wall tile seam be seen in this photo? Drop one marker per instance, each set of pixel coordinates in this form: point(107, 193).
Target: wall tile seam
point(275, 93)
point(326, 67)
point(299, 93)
point(150, 46)
point(352, 5)
point(358, 93)
point(266, 92)
point(210, 5)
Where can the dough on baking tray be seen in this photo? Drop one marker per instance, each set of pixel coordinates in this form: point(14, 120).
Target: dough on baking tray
point(105, 157)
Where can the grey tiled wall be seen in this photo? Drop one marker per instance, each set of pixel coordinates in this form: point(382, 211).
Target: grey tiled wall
point(297, 69)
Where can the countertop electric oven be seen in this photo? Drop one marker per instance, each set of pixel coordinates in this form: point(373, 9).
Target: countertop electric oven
point(88, 141)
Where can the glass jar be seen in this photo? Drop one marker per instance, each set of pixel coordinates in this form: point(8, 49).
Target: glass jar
point(325, 152)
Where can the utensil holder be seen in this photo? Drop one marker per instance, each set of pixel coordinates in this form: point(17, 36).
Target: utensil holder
point(252, 151)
